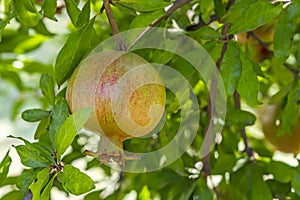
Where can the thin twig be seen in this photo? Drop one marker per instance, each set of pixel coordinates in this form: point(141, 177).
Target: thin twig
point(201, 23)
point(213, 91)
point(293, 71)
point(178, 4)
point(224, 47)
point(230, 3)
point(213, 18)
point(249, 150)
point(262, 43)
point(114, 27)
point(266, 46)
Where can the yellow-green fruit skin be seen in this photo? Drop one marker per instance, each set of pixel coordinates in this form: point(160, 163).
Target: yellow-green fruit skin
point(125, 92)
point(287, 142)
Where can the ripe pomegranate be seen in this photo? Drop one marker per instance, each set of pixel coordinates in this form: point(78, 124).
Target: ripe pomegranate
point(256, 51)
point(127, 97)
point(288, 142)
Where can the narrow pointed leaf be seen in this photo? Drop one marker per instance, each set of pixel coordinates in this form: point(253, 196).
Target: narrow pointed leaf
point(231, 68)
point(59, 114)
point(49, 8)
point(27, 12)
point(248, 83)
point(76, 47)
point(4, 167)
point(42, 180)
point(70, 128)
point(47, 87)
point(249, 19)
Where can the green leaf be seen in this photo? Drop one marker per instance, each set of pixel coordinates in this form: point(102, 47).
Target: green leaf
point(219, 8)
point(42, 127)
point(248, 184)
point(143, 6)
point(205, 33)
point(62, 93)
point(177, 63)
point(33, 154)
point(42, 29)
point(4, 167)
point(236, 9)
point(47, 87)
point(296, 182)
point(12, 77)
point(59, 114)
point(77, 46)
point(293, 11)
point(145, 193)
point(31, 157)
point(72, 10)
point(224, 163)
point(46, 191)
point(34, 115)
point(284, 31)
point(276, 98)
point(49, 8)
point(181, 190)
point(283, 34)
point(259, 146)
point(84, 15)
point(26, 179)
point(10, 39)
point(10, 14)
point(231, 68)
point(30, 43)
point(202, 191)
point(32, 67)
point(281, 171)
point(144, 19)
point(248, 83)
point(245, 19)
point(13, 195)
point(70, 128)
point(126, 10)
point(16, 108)
point(279, 189)
point(290, 112)
point(27, 12)
point(42, 180)
point(92, 195)
point(240, 118)
point(206, 7)
point(75, 181)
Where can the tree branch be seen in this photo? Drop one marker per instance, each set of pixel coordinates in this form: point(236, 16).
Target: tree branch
point(224, 47)
point(213, 18)
point(120, 45)
point(230, 3)
point(201, 23)
point(213, 91)
point(178, 4)
point(266, 46)
point(249, 150)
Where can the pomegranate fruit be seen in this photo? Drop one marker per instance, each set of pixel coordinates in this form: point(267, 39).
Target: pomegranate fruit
point(287, 142)
point(126, 95)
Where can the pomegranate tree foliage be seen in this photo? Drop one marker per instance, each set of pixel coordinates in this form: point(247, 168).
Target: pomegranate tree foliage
point(246, 172)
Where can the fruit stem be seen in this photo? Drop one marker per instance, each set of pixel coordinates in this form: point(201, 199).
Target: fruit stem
point(111, 150)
